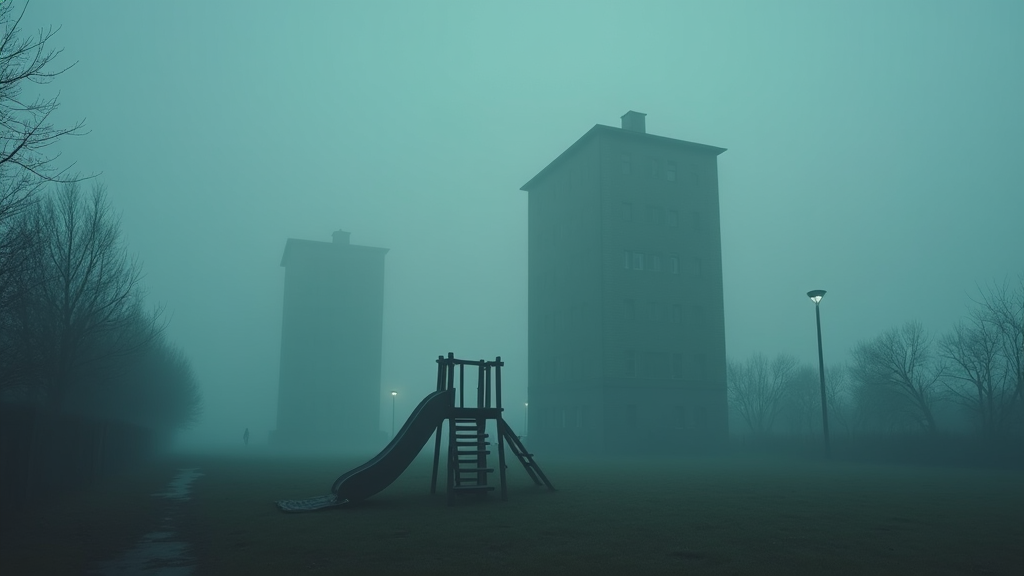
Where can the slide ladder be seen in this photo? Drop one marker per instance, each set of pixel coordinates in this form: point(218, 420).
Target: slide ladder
point(467, 456)
point(468, 440)
point(524, 457)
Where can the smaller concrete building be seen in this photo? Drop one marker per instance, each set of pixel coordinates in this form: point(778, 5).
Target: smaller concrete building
point(329, 387)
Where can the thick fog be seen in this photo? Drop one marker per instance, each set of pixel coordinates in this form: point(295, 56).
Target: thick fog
point(875, 150)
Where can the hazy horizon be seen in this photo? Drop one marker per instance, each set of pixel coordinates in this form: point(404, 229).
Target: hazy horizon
point(873, 150)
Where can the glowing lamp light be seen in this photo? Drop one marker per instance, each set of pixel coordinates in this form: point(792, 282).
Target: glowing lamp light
point(394, 395)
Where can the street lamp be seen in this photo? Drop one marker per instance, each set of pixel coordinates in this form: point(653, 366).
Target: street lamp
point(393, 396)
point(816, 296)
point(526, 418)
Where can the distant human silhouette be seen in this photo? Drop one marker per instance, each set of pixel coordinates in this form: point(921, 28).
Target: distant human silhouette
point(245, 437)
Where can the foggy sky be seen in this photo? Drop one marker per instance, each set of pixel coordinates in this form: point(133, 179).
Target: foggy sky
point(875, 150)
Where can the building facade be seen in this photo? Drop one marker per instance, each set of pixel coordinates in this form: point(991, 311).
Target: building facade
point(626, 313)
point(331, 334)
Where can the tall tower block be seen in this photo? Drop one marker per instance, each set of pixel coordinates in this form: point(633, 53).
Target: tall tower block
point(329, 387)
point(626, 314)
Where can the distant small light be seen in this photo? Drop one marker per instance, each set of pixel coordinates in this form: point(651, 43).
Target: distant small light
point(393, 393)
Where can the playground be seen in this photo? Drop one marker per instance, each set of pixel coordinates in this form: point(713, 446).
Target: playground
point(697, 516)
point(471, 412)
point(417, 509)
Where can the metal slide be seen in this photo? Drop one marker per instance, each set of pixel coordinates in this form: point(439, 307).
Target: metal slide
point(377, 474)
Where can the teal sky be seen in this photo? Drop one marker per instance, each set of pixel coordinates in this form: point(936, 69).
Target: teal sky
point(875, 150)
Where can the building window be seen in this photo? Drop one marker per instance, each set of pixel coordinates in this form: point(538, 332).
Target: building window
point(627, 212)
point(638, 261)
point(700, 365)
point(655, 263)
point(673, 264)
point(631, 363)
point(625, 163)
point(655, 168)
point(673, 219)
point(697, 315)
point(695, 217)
point(630, 416)
point(700, 415)
point(677, 366)
point(650, 312)
point(628, 309)
point(655, 215)
point(670, 172)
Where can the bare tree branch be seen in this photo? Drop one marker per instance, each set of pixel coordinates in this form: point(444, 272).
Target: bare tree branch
point(900, 362)
point(84, 307)
point(984, 352)
point(757, 388)
point(27, 135)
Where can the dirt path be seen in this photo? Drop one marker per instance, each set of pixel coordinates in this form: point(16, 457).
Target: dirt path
point(159, 552)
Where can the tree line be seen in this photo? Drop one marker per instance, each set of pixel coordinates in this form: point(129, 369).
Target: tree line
point(77, 340)
point(967, 381)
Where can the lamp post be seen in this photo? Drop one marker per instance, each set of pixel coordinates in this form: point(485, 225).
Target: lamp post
point(526, 419)
point(393, 396)
point(816, 296)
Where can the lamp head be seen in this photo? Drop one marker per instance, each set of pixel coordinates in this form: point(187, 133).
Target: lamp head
point(815, 296)
point(393, 393)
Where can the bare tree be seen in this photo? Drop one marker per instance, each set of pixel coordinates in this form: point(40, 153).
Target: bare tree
point(152, 387)
point(84, 308)
point(840, 398)
point(899, 363)
point(27, 135)
point(1003, 306)
point(802, 401)
point(757, 387)
point(984, 355)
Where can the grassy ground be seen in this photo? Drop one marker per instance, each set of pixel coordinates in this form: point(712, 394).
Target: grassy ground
point(727, 516)
point(618, 517)
point(69, 532)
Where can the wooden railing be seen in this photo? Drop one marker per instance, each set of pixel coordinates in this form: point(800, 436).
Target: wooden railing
point(488, 380)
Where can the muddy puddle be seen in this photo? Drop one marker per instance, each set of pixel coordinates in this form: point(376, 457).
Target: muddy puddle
point(160, 552)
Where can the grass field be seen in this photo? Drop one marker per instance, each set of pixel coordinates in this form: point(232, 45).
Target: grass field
point(700, 516)
point(726, 516)
point(69, 532)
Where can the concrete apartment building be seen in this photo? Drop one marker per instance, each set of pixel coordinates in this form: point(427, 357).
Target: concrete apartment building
point(626, 315)
point(329, 389)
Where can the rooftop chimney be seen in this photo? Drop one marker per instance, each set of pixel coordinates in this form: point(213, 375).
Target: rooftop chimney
point(635, 121)
point(340, 237)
